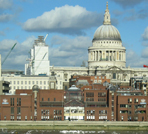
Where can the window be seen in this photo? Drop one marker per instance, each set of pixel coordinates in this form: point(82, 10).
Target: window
point(36, 82)
point(112, 103)
point(29, 82)
point(12, 110)
point(11, 101)
point(114, 75)
point(101, 99)
point(25, 82)
point(136, 100)
point(123, 105)
point(26, 118)
point(54, 99)
point(14, 82)
point(18, 101)
point(102, 111)
point(42, 112)
point(95, 81)
point(90, 112)
point(4, 117)
point(32, 82)
point(129, 100)
point(42, 99)
point(44, 82)
point(48, 99)
point(17, 82)
point(41, 82)
point(102, 94)
point(89, 94)
point(129, 106)
point(129, 112)
point(12, 117)
point(89, 99)
point(18, 110)
point(18, 117)
point(57, 112)
point(21, 82)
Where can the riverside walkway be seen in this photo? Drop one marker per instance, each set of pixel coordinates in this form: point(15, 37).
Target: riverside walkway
point(75, 125)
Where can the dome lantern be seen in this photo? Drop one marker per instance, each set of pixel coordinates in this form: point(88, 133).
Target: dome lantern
point(107, 20)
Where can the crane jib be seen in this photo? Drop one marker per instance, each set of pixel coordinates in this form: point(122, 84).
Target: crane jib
point(13, 46)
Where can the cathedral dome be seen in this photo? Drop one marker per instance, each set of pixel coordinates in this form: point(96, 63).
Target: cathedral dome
point(107, 32)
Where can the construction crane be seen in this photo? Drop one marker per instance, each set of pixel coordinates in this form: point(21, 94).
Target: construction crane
point(8, 53)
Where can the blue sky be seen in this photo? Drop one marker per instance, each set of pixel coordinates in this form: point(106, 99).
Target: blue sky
point(71, 25)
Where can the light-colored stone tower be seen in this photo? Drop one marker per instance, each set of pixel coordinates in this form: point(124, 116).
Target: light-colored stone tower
point(39, 62)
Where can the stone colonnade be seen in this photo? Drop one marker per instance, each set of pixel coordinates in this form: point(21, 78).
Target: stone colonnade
point(107, 55)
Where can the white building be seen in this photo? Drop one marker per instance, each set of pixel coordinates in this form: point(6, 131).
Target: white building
point(27, 82)
point(39, 62)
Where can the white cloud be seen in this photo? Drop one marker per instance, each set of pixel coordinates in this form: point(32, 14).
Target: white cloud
point(6, 44)
point(145, 52)
point(145, 43)
point(66, 20)
point(6, 4)
point(128, 3)
point(5, 17)
point(134, 60)
point(69, 52)
point(18, 56)
point(145, 34)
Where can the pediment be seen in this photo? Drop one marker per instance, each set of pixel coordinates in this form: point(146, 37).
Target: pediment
point(115, 68)
point(74, 103)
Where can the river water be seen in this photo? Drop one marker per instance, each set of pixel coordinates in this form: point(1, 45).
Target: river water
point(5, 131)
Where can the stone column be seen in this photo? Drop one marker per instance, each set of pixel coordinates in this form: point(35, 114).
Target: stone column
point(104, 54)
point(124, 56)
point(112, 55)
point(115, 55)
point(121, 55)
point(94, 56)
point(108, 55)
point(98, 55)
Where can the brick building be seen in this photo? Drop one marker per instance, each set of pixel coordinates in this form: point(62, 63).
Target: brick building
point(81, 81)
point(32, 105)
point(90, 103)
